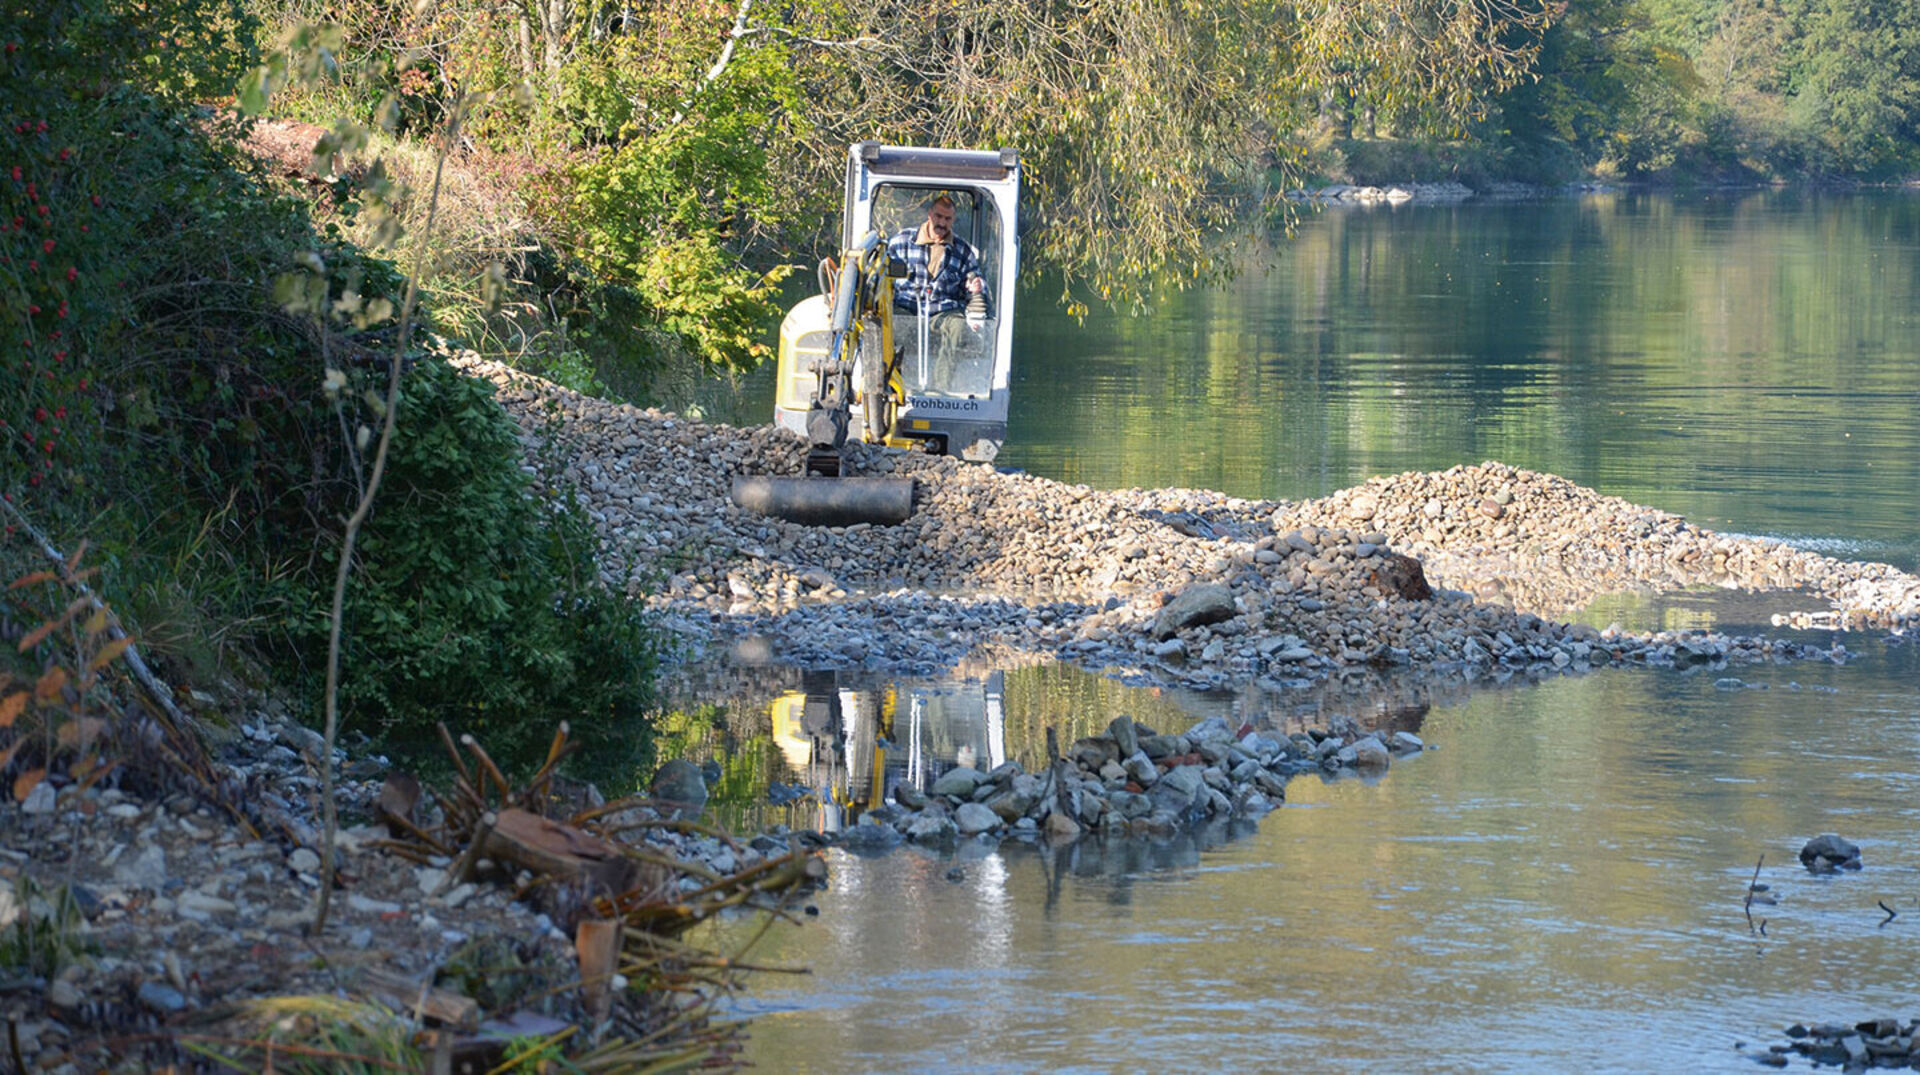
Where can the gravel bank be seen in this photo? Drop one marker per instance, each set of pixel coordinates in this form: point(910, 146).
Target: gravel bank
point(1173, 586)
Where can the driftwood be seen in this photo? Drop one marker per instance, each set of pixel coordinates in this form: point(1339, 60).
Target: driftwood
point(399, 798)
point(421, 1001)
point(552, 849)
point(597, 941)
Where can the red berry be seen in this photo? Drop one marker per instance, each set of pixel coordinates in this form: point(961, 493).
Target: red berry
point(59, 412)
point(47, 247)
point(16, 173)
point(96, 200)
point(67, 152)
point(40, 414)
point(71, 271)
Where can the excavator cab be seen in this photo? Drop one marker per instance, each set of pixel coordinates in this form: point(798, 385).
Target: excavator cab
point(950, 368)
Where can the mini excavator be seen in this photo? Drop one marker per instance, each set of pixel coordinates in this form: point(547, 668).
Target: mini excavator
point(864, 358)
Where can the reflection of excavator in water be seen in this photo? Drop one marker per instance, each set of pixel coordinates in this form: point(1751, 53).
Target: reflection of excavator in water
point(856, 745)
point(864, 359)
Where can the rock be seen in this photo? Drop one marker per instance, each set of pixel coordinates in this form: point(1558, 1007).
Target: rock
point(958, 782)
point(1366, 753)
point(1829, 852)
point(1019, 796)
point(368, 905)
point(1141, 770)
point(930, 829)
point(1061, 827)
point(147, 870)
point(303, 860)
point(41, 801)
point(64, 996)
point(161, 998)
point(1194, 606)
point(1212, 729)
point(868, 838)
point(680, 785)
point(1178, 789)
point(196, 904)
point(1402, 576)
point(1156, 747)
point(973, 818)
point(1121, 730)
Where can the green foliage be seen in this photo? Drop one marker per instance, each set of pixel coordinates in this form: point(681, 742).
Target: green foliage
point(1724, 88)
point(191, 429)
point(662, 210)
point(476, 600)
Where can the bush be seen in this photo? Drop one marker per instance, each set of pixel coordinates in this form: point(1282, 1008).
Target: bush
point(477, 600)
point(156, 397)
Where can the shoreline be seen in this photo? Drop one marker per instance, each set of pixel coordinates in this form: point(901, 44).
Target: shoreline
point(1174, 587)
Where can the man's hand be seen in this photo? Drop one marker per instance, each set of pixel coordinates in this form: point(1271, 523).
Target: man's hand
point(975, 285)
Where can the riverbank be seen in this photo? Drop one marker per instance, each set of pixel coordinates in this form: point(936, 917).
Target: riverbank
point(162, 918)
point(1172, 586)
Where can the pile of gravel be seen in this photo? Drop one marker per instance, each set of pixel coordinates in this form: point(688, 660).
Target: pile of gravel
point(1291, 593)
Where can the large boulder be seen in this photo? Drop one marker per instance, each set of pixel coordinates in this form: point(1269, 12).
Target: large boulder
point(680, 787)
point(1194, 606)
point(1828, 852)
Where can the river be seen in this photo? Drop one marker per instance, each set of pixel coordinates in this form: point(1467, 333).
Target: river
point(1560, 884)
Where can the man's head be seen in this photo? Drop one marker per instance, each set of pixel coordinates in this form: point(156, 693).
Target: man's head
point(940, 217)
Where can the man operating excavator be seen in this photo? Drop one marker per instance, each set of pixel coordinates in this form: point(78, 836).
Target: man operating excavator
point(943, 270)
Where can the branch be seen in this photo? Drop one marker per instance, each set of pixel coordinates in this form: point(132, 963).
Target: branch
point(359, 518)
point(740, 32)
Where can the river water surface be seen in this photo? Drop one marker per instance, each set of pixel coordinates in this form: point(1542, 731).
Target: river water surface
point(1561, 884)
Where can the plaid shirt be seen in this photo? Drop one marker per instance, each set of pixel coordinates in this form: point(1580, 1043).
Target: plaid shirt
point(947, 290)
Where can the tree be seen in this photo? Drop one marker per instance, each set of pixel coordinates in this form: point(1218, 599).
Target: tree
point(1606, 94)
point(1857, 81)
point(1147, 126)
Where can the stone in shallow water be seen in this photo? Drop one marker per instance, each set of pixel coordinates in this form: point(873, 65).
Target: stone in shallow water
point(1830, 852)
point(930, 829)
point(973, 818)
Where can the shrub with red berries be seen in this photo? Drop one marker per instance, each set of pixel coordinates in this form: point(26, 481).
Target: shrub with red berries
point(45, 261)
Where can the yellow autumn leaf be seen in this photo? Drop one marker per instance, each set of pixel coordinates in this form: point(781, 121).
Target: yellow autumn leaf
point(11, 708)
point(108, 653)
point(24, 784)
point(50, 684)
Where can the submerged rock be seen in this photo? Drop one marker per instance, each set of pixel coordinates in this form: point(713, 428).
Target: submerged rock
point(1828, 852)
